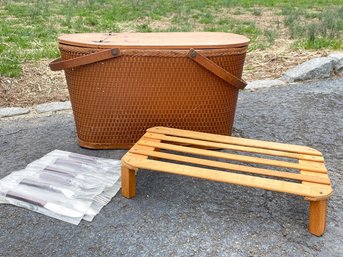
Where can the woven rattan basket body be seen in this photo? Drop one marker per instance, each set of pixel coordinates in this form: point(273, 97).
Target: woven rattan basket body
point(116, 99)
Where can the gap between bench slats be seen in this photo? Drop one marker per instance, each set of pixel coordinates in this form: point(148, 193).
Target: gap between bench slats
point(233, 147)
point(227, 177)
point(313, 167)
point(235, 140)
point(229, 166)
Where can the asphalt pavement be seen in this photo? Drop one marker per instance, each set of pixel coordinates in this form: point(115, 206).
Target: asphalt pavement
point(181, 216)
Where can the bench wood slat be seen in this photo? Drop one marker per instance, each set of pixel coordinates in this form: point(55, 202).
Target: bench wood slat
point(234, 140)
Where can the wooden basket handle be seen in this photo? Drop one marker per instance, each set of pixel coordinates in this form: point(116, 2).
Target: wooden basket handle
point(59, 64)
point(216, 69)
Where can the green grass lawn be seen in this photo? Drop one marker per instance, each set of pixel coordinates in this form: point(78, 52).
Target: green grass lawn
point(28, 29)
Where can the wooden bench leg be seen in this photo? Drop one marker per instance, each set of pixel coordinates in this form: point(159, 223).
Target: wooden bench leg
point(128, 182)
point(317, 222)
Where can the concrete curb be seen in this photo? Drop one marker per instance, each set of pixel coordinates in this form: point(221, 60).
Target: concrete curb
point(13, 111)
point(257, 84)
point(53, 107)
point(42, 109)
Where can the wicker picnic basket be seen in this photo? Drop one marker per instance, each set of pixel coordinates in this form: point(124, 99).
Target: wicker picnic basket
point(122, 84)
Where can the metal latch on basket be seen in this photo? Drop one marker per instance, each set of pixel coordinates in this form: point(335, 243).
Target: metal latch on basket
point(60, 64)
point(216, 69)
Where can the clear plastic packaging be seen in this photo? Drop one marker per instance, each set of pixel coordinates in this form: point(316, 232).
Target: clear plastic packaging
point(79, 166)
point(63, 185)
point(47, 202)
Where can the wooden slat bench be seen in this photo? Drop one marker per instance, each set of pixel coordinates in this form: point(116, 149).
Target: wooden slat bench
point(300, 172)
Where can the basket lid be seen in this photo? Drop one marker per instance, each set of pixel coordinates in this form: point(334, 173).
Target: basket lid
point(161, 40)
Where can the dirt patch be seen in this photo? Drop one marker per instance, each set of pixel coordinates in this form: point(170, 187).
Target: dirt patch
point(162, 24)
point(38, 84)
point(265, 20)
point(273, 62)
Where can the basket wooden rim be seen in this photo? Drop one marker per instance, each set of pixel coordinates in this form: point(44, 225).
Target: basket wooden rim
point(159, 40)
